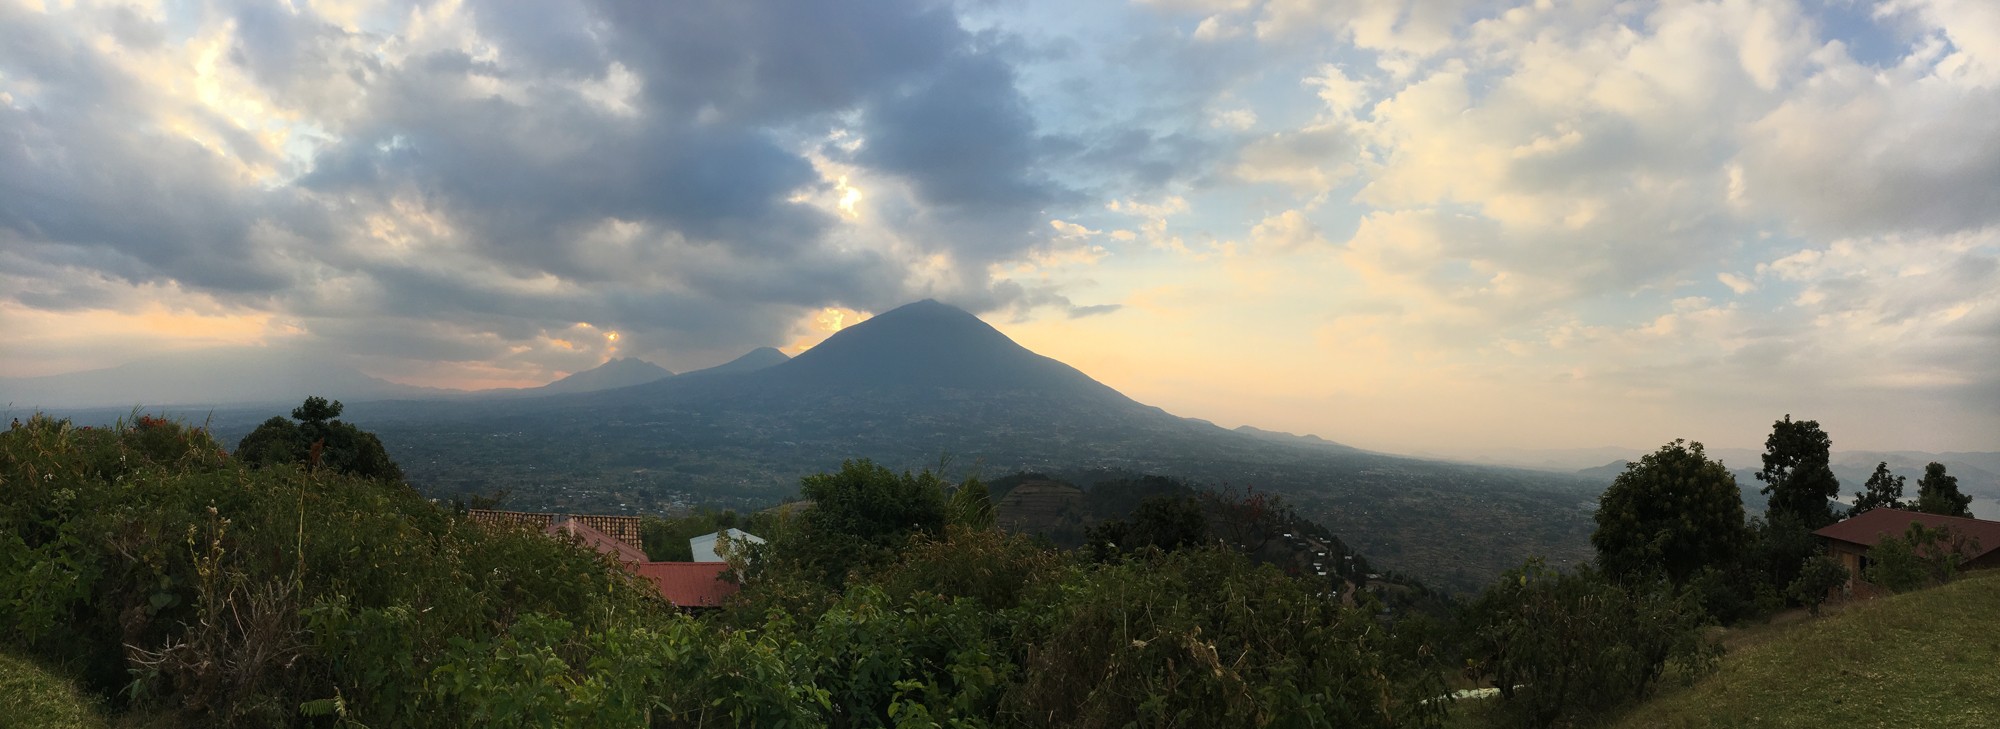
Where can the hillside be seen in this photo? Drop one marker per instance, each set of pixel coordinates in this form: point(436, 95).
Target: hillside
point(751, 361)
point(32, 698)
point(928, 382)
point(1922, 659)
point(616, 373)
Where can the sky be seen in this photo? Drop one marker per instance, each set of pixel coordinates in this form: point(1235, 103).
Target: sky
point(1438, 226)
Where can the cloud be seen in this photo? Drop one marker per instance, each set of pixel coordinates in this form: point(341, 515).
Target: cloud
point(464, 178)
point(1286, 231)
point(1736, 283)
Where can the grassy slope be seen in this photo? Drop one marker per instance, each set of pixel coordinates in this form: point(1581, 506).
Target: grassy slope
point(1923, 659)
point(32, 698)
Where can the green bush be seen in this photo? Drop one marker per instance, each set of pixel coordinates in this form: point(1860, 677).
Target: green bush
point(1920, 557)
point(1818, 576)
point(170, 576)
point(1572, 645)
point(1203, 637)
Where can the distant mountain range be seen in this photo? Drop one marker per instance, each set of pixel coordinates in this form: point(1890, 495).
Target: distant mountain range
point(928, 383)
point(258, 376)
point(238, 376)
point(924, 385)
point(616, 373)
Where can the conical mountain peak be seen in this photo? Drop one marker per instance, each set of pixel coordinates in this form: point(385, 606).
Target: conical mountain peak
point(614, 373)
point(931, 344)
point(756, 359)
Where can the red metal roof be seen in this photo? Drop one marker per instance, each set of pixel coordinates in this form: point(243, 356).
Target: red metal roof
point(593, 538)
point(1871, 526)
point(689, 584)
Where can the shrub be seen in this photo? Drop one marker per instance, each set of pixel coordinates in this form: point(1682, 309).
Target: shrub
point(1818, 576)
point(1574, 645)
point(1204, 637)
point(1922, 556)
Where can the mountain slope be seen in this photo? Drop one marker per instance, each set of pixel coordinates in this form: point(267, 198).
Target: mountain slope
point(928, 383)
point(616, 373)
point(931, 345)
point(756, 359)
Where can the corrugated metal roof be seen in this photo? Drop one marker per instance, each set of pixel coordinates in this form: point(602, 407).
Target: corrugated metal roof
point(689, 584)
point(703, 547)
point(1870, 527)
point(622, 528)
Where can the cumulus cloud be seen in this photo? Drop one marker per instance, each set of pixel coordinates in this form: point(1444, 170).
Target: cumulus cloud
point(465, 178)
point(1646, 199)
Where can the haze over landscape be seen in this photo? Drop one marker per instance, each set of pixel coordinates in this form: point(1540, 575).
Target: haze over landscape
point(1462, 229)
point(999, 363)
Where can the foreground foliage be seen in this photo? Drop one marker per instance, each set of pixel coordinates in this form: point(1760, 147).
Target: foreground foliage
point(179, 581)
point(1570, 645)
point(33, 698)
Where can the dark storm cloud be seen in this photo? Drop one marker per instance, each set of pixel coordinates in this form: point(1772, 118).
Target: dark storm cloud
point(963, 135)
point(82, 183)
point(687, 122)
point(771, 62)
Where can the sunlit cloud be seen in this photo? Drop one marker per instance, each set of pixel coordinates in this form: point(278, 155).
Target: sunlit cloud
point(1402, 223)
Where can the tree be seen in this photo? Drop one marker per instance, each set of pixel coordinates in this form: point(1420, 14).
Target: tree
point(859, 516)
point(1818, 576)
point(1937, 493)
point(316, 411)
point(1165, 522)
point(1797, 473)
point(318, 441)
point(1882, 491)
point(1670, 514)
point(1574, 645)
point(1921, 557)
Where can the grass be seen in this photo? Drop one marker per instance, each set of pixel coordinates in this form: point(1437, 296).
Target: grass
point(1922, 659)
point(34, 698)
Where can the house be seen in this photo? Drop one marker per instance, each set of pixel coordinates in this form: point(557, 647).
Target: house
point(1849, 541)
point(690, 585)
point(583, 533)
point(696, 585)
point(625, 529)
point(703, 546)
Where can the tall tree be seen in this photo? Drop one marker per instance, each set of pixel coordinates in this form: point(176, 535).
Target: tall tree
point(1937, 493)
point(1883, 491)
point(1670, 514)
point(318, 441)
point(1797, 474)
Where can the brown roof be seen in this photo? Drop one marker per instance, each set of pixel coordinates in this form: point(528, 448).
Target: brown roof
point(591, 537)
point(1872, 526)
point(689, 584)
point(625, 529)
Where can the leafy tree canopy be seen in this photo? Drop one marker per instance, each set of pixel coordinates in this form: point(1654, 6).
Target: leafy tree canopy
point(1797, 474)
point(1670, 514)
point(1937, 493)
point(1167, 523)
point(860, 515)
point(318, 441)
point(1883, 491)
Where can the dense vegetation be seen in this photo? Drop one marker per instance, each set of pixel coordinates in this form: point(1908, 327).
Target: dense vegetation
point(175, 579)
point(172, 577)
